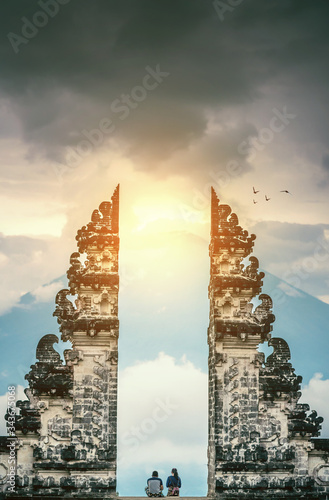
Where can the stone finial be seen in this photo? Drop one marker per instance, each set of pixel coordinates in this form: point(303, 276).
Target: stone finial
point(48, 375)
point(93, 277)
point(104, 225)
point(225, 229)
point(232, 285)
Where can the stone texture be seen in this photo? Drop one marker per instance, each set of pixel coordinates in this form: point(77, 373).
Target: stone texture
point(66, 431)
point(262, 443)
point(260, 438)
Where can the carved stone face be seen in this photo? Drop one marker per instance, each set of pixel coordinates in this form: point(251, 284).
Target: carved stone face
point(266, 302)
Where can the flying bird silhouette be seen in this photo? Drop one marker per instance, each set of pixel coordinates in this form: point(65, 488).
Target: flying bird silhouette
point(266, 198)
point(254, 201)
point(285, 191)
point(254, 190)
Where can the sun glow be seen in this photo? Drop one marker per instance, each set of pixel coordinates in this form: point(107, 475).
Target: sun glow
point(154, 211)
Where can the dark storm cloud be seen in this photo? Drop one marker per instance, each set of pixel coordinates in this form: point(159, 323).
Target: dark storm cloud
point(325, 162)
point(90, 53)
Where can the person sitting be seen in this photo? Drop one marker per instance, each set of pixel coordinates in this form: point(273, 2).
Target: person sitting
point(154, 485)
point(173, 483)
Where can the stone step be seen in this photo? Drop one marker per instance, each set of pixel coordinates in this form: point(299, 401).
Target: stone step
point(92, 497)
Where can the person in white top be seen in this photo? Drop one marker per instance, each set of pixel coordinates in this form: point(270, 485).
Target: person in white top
point(154, 485)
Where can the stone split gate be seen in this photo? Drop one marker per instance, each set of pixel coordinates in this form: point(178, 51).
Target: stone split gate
point(262, 442)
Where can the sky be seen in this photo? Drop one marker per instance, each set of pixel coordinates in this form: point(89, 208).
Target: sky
point(166, 98)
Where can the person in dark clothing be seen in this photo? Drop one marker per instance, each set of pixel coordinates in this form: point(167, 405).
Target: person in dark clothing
point(173, 483)
point(154, 485)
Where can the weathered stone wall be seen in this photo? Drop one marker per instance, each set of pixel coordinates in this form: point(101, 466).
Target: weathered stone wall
point(260, 438)
point(66, 431)
point(262, 442)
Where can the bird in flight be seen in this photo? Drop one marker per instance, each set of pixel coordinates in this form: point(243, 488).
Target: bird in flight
point(254, 190)
point(266, 198)
point(254, 201)
point(285, 191)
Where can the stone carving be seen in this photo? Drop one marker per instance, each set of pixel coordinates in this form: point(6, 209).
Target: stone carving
point(278, 378)
point(96, 281)
point(69, 421)
point(48, 375)
point(232, 287)
point(260, 438)
point(28, 419)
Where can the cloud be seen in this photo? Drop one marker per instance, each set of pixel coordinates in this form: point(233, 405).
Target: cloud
point(325, 162)
point(289, 290)
point(162, 406)
point(296, 253)
point(316, 393)
point(45, 293)
point(225, 79)
point(26, 267)
point(294, 232)
point(3, 259)
point(324, 298)
point(212, 65)
point(207, 156)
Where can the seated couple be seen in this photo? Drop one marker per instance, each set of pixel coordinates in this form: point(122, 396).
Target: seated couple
point(155, 486)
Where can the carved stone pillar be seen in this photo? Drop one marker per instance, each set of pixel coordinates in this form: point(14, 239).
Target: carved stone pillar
point(259, 436)
point(67, 431)
point(93, 328)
